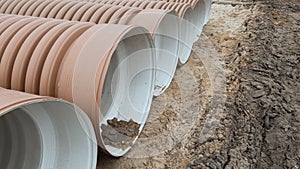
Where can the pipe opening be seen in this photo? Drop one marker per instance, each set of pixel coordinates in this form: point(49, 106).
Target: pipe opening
point(167, 45)
point(187, 35)
point(47, 135)
point(20, 142)
point(127, 92)
point(208, 10)
point(200, 11)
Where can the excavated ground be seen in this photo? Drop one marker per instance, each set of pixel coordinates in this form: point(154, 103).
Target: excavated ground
point(236, 103)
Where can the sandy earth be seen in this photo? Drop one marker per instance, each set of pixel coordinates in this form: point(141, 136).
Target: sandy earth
point(236, 103)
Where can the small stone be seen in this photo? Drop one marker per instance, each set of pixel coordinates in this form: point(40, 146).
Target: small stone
point(258, 93)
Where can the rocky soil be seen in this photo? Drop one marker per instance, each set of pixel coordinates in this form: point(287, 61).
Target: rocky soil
point(236, 104)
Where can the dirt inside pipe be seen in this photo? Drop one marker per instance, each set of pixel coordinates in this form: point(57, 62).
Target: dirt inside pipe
point(120, 133)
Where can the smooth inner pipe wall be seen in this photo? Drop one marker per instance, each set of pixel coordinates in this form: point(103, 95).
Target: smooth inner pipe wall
point(42, 132)
point(191, 22)
point(70, 60)
point(166, 43)
point(188, 35)
point(162, 24)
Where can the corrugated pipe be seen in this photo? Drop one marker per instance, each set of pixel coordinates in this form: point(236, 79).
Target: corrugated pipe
point(43, 132)
point(162, 24)
point(201, 7)
point(190, 22)
point(106, 70)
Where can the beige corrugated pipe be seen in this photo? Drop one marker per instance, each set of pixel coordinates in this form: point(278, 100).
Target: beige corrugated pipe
point(190, 23)
point(158, 23)
point(201, 7)
point(107, 70)
point(43, 132)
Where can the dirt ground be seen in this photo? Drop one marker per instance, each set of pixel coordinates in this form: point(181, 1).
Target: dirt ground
point(236, 103)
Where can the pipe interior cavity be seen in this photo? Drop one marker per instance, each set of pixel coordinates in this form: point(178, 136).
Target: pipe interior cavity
point(207, 10)
point(167, 47)
point(128, 87)
point(200, 12)
point(188, 32)
point(20, 142)
point(46, 135)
